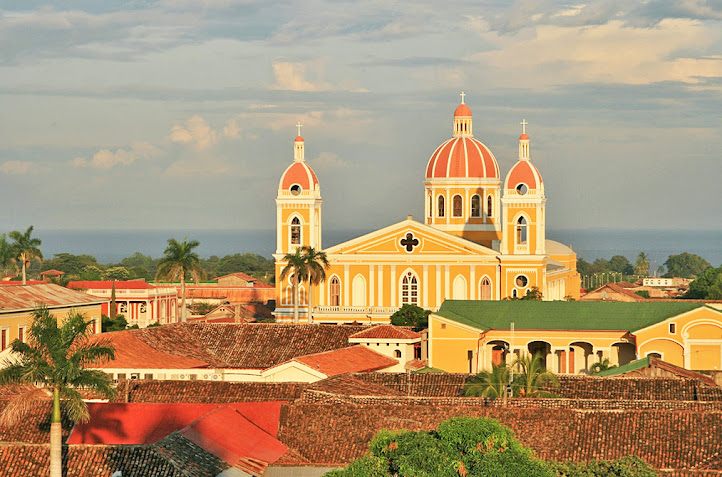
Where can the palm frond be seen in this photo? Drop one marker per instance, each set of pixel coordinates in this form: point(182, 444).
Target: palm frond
point(75, 407)
point(20, 406)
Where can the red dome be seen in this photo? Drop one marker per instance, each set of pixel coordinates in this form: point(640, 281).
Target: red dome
point(524, 137)
point(462, 157)
point(298, 173)
point(524, 172)
point(298, 139)
point(462, 110)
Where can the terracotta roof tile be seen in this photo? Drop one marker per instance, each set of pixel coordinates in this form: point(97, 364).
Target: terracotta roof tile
point(206, 391)
point(27, 297)
point(353, 359)
point(133, 353)
point(387, 332)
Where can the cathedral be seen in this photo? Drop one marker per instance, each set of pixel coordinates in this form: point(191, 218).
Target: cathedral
point(480, 239)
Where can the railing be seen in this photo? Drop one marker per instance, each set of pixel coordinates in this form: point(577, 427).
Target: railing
point(361, 310)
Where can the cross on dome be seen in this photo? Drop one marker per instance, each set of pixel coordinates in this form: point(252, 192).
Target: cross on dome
point(523, 126)
point(463, 95)
point(299, 127)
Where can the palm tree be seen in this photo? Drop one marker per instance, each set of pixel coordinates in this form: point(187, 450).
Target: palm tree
point(52, 363)
point(641, 266)
point(600, 366)
point(26, 248)
point(317, 264)
point(7, 257)
point(533, 376)
point(489, 384)
point(297, 268)
point(179, 261)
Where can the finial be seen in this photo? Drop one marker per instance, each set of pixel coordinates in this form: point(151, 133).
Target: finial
point(523, 126)
point(462, 97)
point(299, 127)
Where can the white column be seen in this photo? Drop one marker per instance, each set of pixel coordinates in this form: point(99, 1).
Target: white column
point(446, 282)
point(393, 287)
point(148, 313)
point(372, 302)
point(425, 286)
point(497, 288)
point(321, 294)
point(467, 205)
point(555, 361)
point(381, 285)
point(472, 280)
point(438, 285)
point(346, 301)
point(447, 206)
point(279, 230)
point(312, 227)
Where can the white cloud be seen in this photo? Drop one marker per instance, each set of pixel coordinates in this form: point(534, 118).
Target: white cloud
point(195, 131)
point(330, 160)
point(106, 159)
point(232, 129)
point(292, 77)
point(17, 168)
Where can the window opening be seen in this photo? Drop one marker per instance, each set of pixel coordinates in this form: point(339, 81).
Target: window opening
point(521, 189)
point(672, 328)
point(521, 281)
point(475, 206)
point(296, 189)
point(295, 231)
point(489, 207)
point(457, 206)
point(441, 206)
point(485, 289)
point(409, 290)
point(521, 231)
point(335, 292)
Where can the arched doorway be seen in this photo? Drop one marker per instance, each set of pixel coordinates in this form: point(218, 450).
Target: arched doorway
point(541, 348)
point(498, 352)
point(623, 353)
point(485, 289)
point(581, 357)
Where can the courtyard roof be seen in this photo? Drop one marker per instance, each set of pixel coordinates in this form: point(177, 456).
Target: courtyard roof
point(561, 315)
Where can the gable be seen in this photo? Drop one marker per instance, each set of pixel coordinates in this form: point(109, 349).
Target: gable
point(410, 238)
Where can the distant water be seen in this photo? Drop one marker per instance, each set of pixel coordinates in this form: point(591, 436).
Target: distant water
point(110, 246)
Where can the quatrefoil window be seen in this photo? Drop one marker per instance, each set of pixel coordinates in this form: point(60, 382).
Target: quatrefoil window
point(409, 242)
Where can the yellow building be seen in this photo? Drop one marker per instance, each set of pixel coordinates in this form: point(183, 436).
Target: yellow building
point(17, 303)
point(479, 240)
point(470, 336)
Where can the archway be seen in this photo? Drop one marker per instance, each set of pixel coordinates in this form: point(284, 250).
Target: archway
point(497, 351)
point(581, 357)
point(623, 353)
point(542, 348)
point(358, 298)
point(459, 288)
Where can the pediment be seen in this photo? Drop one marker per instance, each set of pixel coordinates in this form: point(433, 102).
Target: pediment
point(409, 238)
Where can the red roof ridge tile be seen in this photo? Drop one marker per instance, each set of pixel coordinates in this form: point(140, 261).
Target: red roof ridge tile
point(387, 332)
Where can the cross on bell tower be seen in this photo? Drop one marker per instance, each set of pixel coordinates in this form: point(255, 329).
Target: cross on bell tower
point(523, 126)
point(463, 95)
point(298, 125)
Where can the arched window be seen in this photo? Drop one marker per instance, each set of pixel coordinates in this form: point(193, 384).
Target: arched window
point(358, 286)
point(521, 231)
point(459, 290)
point(457, 206)
point(485, 292)
point(431, 206)
point(514, 293)
point(409, 289)
point(335, 291)
point(441, 206)
point(397, 353)
point(475, 206)
point(295, 231)
point(489, 207)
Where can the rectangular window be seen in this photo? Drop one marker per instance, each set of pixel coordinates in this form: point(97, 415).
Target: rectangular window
point(148, 376)
point(21, 333)
point(121, 376)
point(4, 339)
point(672, 328)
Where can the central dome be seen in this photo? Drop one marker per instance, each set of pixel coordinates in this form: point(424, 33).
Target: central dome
point(462, 156)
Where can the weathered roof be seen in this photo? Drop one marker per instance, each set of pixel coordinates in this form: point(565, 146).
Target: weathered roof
point(52, 272)
point(561, 315)
point(618, 289)
point(108, 284)
point(387, 332)
point(28, 297)
point(354, 359)
point(206, 391)
point(651, 362)
point(240, 275)
point(132, 353)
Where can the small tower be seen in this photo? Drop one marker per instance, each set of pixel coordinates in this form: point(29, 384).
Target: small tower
point(298, 204)
point(463, 185)
point(524, 205)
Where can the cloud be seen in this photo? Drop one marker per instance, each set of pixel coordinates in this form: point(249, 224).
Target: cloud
point(330, 160)
point(292, 77)
point(195, 131)
point(17, 168)
point(106, 159)
point(232, 129)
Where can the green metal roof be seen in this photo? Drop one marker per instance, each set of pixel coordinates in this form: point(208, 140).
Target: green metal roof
point(561, 315)
point(638, 364)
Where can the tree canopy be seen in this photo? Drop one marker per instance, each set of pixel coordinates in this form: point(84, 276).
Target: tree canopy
point(26, 248)
point(411, 315)
point(707, 287)
point(686, 265)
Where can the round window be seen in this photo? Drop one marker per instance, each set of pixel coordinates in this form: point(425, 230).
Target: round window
point(521, 281)
point(521, 189)
point(296, 189)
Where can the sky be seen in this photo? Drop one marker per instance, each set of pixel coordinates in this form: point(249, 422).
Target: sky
point(180, 114)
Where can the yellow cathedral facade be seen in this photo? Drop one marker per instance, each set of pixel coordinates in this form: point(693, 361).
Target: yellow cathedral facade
point(481, 238)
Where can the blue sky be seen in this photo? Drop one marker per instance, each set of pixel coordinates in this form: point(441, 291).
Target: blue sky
point(180, 114)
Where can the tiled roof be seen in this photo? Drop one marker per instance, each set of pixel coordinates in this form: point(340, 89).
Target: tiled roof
point(556, 315)
point(133, 353)
point(240, 275)
point(52, 273)
point(108, 284)
point(662, 365)
point(35, 427)
point(206, 391)
point(352, 385)
point(619, 289)
point(354, 359)
point(187, 456)
point(28, 297)
point(387, 332)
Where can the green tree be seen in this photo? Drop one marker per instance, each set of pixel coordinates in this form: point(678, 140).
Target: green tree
point(460, 446)
point(411, 315)
point(620, 264)
point(53, 362)
point(533, 294)
point(69, 263)
point(494, 383)
point(641, 266)
point(7, 257)
point(627, 466)
point(139, 261)
point(26, 248)
point(317, 264)
point(600, 366)
point(116, 273)
point(113, 324)
point(296, 268)
point(91, 273)
point(707, 287)
point(533, 377)
point(685, 265)
point(180, 261)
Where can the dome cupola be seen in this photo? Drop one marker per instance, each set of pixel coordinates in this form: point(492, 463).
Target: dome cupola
point(298, 177)
point(524, 178)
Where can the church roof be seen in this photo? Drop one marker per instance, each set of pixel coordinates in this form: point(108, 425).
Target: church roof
point(298, 173)
point(560, 315)
point(462, 157)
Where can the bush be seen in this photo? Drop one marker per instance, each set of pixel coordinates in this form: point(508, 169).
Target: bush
point(411, 315)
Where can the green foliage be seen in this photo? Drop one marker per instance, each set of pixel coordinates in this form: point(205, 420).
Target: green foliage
point(628, 466)
point(411, 315)
point(600, 366)
point(641, 265)
point(116, 273)
point(113, 324)
point(533, 377)
point(7, 257)
point(642, 293)
point(707, 287)
point(69, 263)
point(249, 263)
point(153, 325)
point(137, 262)
point(26, 248)
point(180, 261)
point(461, 446)
point(620, 264)
point(492, 383)
point(533, 294)
point(202, 308)
point(91, 273)
point(685, 265)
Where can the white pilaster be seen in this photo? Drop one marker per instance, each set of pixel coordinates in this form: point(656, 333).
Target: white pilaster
point(372, 302)
point(394, 286)
point(346, 301)
point(425, 286)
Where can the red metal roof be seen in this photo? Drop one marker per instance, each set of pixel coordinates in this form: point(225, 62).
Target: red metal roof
point(27, 297)
point(387, 332)
point(462, 157)
point(354, 359)
point(108, 284)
